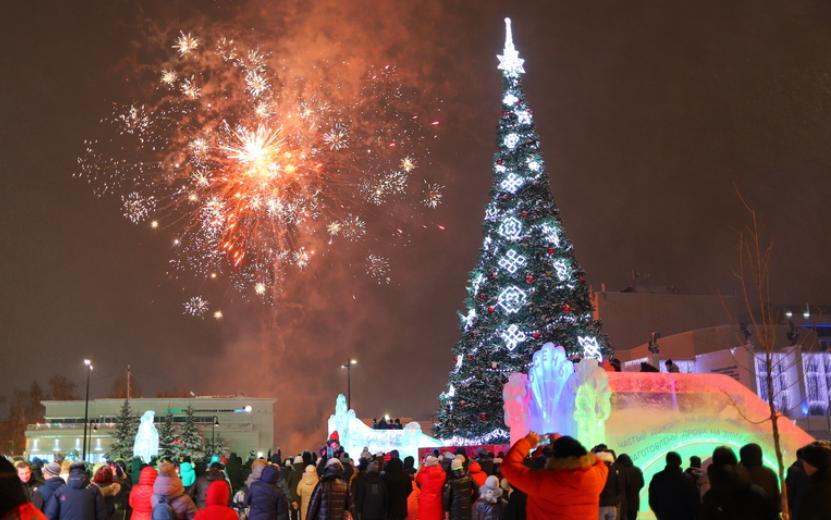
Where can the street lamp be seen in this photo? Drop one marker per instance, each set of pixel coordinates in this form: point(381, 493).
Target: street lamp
point(348, 367)
point(88, 364)
point(213, 435)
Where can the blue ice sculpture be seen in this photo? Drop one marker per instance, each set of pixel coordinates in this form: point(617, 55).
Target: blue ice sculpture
point(146, 445)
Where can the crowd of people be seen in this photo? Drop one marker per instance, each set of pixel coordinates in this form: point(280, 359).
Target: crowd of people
point(540, 477)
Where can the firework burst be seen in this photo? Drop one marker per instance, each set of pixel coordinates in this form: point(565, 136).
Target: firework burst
point(252, 180)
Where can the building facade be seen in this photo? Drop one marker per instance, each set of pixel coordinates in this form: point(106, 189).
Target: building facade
point(245, 424)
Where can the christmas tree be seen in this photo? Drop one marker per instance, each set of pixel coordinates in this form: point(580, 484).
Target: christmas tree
point(527, 288)
point(126, 427)
point(167, 438)
point(192, 445)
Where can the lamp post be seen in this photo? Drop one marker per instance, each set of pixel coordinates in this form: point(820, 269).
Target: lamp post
point(88, 364)
point(348, 367)
point(213, 435)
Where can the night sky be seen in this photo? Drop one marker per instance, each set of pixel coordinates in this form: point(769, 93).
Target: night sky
point(650, 115)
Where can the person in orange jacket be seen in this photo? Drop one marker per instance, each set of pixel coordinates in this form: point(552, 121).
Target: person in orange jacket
point(430, 479)
point(568, 486)
point(474, 469)
point(216, 503)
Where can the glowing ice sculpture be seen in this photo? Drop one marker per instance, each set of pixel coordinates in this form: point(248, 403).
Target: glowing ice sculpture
point(589, 396)
point(355, 435)
point(548, 377)
point(146, 445)
point(515, 405)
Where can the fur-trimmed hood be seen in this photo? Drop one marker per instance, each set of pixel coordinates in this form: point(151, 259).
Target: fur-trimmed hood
point(571, 463)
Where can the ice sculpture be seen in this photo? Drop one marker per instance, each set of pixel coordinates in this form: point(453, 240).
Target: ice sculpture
point(355, 435)
point(146, 445)
point(589, 397)
point(515, 405)
point(547, 378)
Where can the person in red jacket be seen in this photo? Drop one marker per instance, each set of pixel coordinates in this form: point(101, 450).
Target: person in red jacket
point(142, 493)
point(567, 488)
point(474, 469)
point(430, 479)
point(216, 503)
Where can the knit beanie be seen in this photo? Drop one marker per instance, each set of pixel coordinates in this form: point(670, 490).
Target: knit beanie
point(457, 464)
point(53, 469)
point(431, 461)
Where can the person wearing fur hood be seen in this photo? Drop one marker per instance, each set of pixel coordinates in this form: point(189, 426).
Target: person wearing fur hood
point(141, 495)
point(169, 487)
point(430, 479)
point(567, 488)
point(109, 488)
point(489, 505)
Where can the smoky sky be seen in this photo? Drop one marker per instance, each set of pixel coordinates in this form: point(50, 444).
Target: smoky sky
point(650, 116)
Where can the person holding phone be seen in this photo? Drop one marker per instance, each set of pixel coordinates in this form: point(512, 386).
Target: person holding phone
point(567, 487)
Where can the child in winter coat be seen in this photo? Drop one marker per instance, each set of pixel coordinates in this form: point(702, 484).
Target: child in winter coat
point(569, 486)
point(141, 495)
point(168, 489)
point(216, 503)
point(489, 506)
point(104, 480)
point(459, 492)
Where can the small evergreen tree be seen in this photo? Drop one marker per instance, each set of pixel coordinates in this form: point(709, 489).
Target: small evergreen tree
point(193, 444)
point(126, 427)
point(167, 438)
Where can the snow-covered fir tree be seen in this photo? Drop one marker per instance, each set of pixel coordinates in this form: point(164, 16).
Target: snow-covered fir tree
point(167, 438)
point(124, 436)
point(527, 287)
point(193, 444)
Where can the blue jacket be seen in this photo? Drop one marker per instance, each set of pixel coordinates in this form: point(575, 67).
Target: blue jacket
point(187, 474)
point(48, 488)
point(266, 500)
point(76, 500)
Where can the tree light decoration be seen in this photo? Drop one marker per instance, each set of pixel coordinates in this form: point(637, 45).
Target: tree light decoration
point(590, 346)
point(523, 291)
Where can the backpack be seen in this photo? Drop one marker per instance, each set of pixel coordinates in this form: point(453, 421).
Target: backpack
point(163, 510)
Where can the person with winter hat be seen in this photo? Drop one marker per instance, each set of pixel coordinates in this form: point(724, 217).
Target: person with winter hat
point(567, 487)
point(330, 498)
point(141, 496)
point(217, 498)
point(614, 491)
point(169, 497)
point(371, 498)
point(53, 481)
point(399, 487)
point(293, 479)
point(13, 502)
point(77, 500)
point(814, 502)
point(187, 473)
point(459, 492)
point(672, 493)
point(105, 482)
point(214, 474)
point(265, 499)
point(474, 469)
point(489, 505)
point(305, 487)
point(430, 479)
point(633, 483)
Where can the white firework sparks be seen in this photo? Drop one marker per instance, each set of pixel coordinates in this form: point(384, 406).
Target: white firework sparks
point(300, 258)
point(169, 77)
point(186, 43)
point(337, 137)
point(197, 307)
point(189, 88)
point(353, 227)
point(333, 228)
point(256, 82)
point(135, 120)
point(378, 268)
point(432, 194)
point(408, 164)
point(137, 208)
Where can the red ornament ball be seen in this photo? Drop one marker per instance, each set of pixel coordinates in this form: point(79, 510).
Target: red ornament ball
point(567, 308)
point(524, 214)
point(483, 296)
point(483, 416)
point(491, 309)
point(506, 198)
point(536, 335)
point(499, 161)
point(529, 279)
point(551, 251)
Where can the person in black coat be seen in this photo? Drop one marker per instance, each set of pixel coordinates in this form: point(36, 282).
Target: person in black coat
point(459, 492)
point(265, 499)
point(200, 489)
point(399, 487)
point(76, 500)
point(371, 494)
point(797, 481)
point(732, 494)
point(633, 479)
point(330, 500)
point(672, 494)
point(814, 504)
